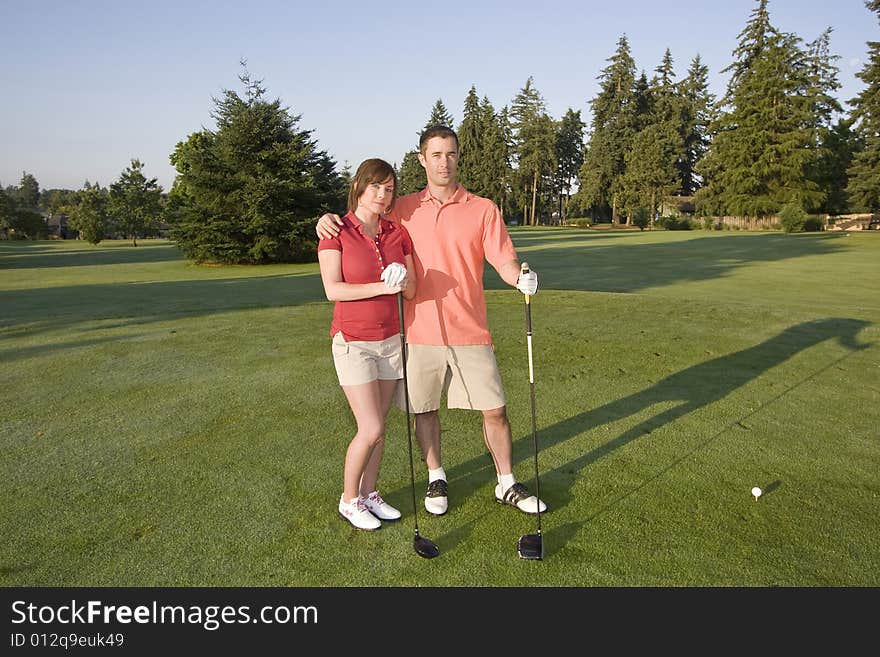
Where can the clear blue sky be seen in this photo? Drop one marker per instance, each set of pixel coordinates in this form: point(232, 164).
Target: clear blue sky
point(86, 85)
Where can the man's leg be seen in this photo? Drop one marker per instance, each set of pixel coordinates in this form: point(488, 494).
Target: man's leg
point(496, 433)
point(428, 435)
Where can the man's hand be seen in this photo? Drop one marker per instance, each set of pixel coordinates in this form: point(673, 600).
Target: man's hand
point(394, 275)
point(527, 283)
point(328, 226)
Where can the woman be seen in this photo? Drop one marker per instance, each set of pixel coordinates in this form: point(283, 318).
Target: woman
point(363, 268)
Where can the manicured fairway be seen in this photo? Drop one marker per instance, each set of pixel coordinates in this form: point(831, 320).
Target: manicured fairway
point(168, 424)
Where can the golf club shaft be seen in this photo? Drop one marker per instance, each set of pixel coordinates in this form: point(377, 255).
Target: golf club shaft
point(525, 269)
point(412, 475)
point(532, 395)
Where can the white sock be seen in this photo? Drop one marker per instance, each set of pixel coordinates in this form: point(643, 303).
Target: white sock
point(434, 475)
point(506, 481)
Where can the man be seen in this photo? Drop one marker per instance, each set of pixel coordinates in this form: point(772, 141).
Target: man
point(450, 349)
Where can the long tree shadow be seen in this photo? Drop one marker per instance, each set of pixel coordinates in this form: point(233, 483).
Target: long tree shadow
point(40, 255)
point(690, 389)
point(627, 263)
point(32, 311)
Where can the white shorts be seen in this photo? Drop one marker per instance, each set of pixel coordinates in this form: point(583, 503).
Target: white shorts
point(362, 362)
point(467, 374)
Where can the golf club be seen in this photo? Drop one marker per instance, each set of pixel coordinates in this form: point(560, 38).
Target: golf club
point(424, 547)
point(531, 546)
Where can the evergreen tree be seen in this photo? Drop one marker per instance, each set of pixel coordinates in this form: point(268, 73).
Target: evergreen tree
point(248, 191)
point(535, 146)
point(7, 212)
point(19, 215)
point(27, 195)
point(836, 156)
point(697, 114)
point(613, 129)
point(411, 175)
point(439, 116)
point(495, 167)
point(89, 215)
point(821, 84)
point(764, 149)
point(651, 164)
point(569, 156)
point(864, 172)
point(470, 145)
point(751, 45)
point(135, 202)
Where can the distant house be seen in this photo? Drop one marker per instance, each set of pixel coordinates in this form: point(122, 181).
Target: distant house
point(677, 206)
point(58, 227)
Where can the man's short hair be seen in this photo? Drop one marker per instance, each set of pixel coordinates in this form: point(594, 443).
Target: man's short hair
point(370, 171)
point(436, 131)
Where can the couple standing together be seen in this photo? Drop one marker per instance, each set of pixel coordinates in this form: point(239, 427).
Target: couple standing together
point(431, 247)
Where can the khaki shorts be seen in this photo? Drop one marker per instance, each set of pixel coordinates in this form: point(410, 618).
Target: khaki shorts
point(467, 374)
point(362, 362)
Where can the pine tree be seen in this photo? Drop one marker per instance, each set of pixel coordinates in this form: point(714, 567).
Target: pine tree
point(752, 43)
point(657, 150)
point(864, 173)
point(535, 146)
point(27, 195)
point(697, 113)
point(249, 191)
point(569, 156)
point(439, 115)
point(411, 175)
point(613, 129)
point(471, 145)
point(497, 140)
point(764, 146)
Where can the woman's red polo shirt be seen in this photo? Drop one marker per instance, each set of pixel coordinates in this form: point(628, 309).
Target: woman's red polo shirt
point(363, 260)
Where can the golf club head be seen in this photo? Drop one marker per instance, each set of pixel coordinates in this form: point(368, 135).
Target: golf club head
point(531, 546)
point(425, 547)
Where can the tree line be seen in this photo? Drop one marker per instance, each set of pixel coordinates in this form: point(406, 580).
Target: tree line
point(132, 207)
point(777, 142)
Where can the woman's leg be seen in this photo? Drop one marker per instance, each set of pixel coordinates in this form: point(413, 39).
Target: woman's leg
point(366, 402)
point(371, 471)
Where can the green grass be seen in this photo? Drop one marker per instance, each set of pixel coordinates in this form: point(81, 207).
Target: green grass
point(165, 424)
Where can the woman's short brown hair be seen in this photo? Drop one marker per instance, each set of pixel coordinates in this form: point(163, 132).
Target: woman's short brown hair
point(370, 171)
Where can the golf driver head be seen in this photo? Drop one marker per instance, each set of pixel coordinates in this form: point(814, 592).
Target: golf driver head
point(425, 547)
point(531, 546)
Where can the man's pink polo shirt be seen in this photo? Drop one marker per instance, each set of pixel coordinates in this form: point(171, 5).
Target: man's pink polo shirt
point(451, 243)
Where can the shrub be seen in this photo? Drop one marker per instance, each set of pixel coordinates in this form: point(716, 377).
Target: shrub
point(675, 223)
point(580, 223)
point(813, 224)
point(792, 218)
point(641, 218)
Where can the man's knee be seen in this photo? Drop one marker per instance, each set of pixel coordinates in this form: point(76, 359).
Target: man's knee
point(495, 416)
point(428, 417)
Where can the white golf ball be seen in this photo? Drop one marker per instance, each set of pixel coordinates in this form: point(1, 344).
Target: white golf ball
point(756, 492)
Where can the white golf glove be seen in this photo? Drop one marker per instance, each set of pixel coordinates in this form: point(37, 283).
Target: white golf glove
point(527, 283)
point(394, 275)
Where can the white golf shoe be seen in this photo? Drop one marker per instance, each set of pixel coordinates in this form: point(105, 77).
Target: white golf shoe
point(436, 500)
point(520, 497)
point(379, 507)
point(358, 514)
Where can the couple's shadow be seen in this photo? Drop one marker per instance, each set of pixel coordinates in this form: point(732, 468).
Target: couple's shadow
point(688, 390)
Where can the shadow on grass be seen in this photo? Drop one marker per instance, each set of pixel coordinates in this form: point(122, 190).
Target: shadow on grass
point(46, 309)
point(691, 389)
point(40, 255)
point(625, 262)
